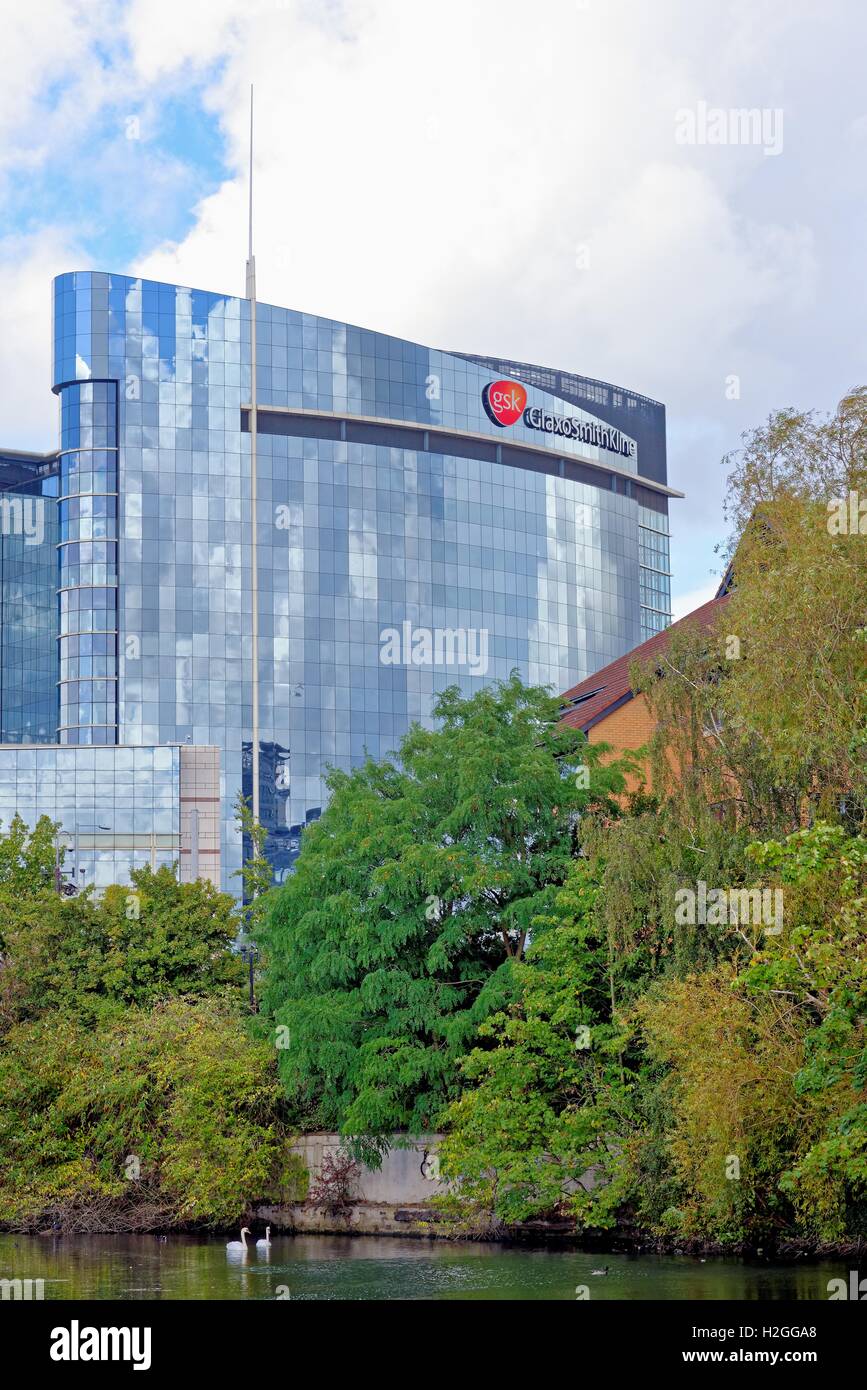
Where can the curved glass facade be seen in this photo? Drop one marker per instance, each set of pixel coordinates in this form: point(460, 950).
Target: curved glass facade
point(87, 563)
point(418, 525)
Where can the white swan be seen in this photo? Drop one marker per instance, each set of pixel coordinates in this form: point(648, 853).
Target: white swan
point(266, 1243)
point(239, 1244)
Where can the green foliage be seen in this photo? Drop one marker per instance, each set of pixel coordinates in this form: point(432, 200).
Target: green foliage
point(255, 872)
point(765, 1061)
point(708, 764)
point(27, 857)
point(162, 1117)
point(530, 1135)
point(728, 1116)
point(798, 455)
point(643, 861)
point(133, 946)
point(400, 930)
point(799, 601)
point(819, 966)
point(123, 1047)
point(27, 865)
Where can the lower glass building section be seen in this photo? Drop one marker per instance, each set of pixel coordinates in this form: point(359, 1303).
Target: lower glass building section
point(118, 809)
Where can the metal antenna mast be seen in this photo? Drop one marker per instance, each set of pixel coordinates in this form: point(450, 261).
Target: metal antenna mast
point(254, 550)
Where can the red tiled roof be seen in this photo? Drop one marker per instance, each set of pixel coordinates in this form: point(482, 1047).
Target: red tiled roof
point(599, 693)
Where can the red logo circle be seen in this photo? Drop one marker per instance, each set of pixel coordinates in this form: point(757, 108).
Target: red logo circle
point(504, 401)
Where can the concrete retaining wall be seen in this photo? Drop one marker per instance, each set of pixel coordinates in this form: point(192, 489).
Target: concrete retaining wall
point(399, 1181)
point(363, 1219)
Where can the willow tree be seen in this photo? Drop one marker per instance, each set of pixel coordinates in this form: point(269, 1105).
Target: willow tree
point(798, 611)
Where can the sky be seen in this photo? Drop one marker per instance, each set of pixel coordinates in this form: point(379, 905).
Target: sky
point(568, 183)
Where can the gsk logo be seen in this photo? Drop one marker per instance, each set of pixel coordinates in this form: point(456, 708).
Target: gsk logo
point(504, 401)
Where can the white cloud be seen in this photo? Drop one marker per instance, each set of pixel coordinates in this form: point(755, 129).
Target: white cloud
point(28, 411)
point(494, 178)
point(55, 75)
point(431, 173)
point(682, 604)
point(430, 166)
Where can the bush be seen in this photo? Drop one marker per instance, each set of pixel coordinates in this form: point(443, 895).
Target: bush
point(156, 1118)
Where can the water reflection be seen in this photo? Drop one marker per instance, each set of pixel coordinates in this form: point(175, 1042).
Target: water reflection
point(344, 1267)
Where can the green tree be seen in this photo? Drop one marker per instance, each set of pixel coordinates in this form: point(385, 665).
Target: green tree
point(27, 866)
point(412, 901)
point(798, 455)
point(255, 873)
point(817, 968)
point(799, 602)
point(725, 1115)
point(135, 945)
point(753, 1092)
point(707, 766)
point(544, 1090)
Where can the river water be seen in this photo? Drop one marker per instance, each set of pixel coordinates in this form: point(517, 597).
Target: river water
point(360, 1267)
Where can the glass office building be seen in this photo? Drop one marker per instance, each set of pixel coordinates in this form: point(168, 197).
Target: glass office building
point(423, 518)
